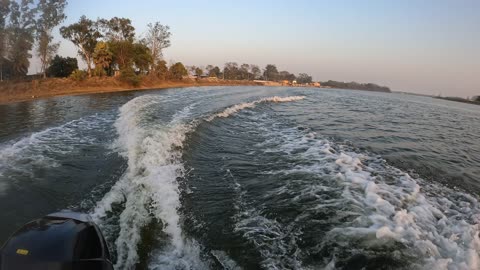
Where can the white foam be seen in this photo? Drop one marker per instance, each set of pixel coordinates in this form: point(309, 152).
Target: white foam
point(149, 187)
point(441, 229)
point(41, 149)
point(236, 108)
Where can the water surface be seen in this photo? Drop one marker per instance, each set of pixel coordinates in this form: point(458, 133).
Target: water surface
point(252, 177)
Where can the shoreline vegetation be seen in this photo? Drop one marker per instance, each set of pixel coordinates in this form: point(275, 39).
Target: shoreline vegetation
point(23, 90)
point(475, 100)
point(116, 58)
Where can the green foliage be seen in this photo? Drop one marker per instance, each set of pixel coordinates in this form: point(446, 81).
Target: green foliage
point(270, 73)
point(78, 75)
point(198, 71)
point(213, 71)
point(160, 70)
point(51, 14)
point(141, 57)
point(231, 71)
point(117, 29)
point(20, 36)
point(129, 76)
point(84, 34)
point(177, 71)
point(62, 66)
point(4, 11)
point(304, 78)
point(102, 57)
point(285, 75)
point(357, 86)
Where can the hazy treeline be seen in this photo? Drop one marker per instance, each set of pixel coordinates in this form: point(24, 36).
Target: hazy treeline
point(357, 86)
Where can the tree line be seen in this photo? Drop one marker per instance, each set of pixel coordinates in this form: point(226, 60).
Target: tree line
point(26, 27)
point(356, 86)
point(234, 71)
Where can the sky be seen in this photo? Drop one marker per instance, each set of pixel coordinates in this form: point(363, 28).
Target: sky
point(422, 46)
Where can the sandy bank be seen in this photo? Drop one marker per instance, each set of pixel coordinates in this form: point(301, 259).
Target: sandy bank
point(28, 90)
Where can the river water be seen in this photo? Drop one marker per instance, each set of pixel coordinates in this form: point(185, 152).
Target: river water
point(252, 177)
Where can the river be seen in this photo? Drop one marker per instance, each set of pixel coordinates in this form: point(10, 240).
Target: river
point(252, 177)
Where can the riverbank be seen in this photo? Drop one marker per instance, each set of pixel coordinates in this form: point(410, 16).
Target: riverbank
point(459, 99)
point(27, 90)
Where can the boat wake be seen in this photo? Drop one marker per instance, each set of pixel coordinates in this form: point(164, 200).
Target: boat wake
point(356, 210)
point(148, 193)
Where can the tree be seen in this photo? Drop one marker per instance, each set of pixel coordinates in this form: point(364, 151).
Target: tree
point(214, 72)
point(21, 36)
point(245, 72)
point(231, 71)
point(198, 72)
point(177, 71)
point(270, 73)
point(62, 66)
point(4, 11)
point(157, 39)
point(120, 34)
point(161, 70)
point(117, 29)
point(84, 34)
point(141, 57)
point(304, 78)
point(255, 71)
point(285, 75)
point(102, 57)
point(51, 15)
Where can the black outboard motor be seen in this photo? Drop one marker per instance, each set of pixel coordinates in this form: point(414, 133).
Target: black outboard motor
point(59, 241)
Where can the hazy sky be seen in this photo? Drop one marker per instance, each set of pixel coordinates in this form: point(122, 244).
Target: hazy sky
point(430, 47)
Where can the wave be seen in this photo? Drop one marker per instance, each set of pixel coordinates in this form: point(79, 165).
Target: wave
point(236, 108)
point(149, 191)
point(44, 148)
point(369, 208)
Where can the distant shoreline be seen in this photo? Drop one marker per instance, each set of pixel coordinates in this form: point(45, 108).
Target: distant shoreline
point(18, 91)
point(459, 99)
point(11, 92)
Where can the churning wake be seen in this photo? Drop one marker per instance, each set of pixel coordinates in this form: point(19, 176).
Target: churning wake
point(357, 211)
point(148, 192)
point(44, 149)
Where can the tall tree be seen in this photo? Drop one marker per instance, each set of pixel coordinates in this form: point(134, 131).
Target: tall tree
point(52, 13)
point(177, 71)
point(141, 57)
point(256, 72)
point(102, 57)
point(161, 70)
point(270, 73)
point(157, 39)
point(198, 72)
point(304, 78)
point(245, 72)
point(231, 71)
point(84, 34)
point(21, 35)
point(120, 34)
point(214, 72)
point(4, 11)
point(117, 29)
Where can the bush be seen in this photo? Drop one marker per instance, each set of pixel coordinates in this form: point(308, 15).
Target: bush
point(129, 76)
point(78, 75)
